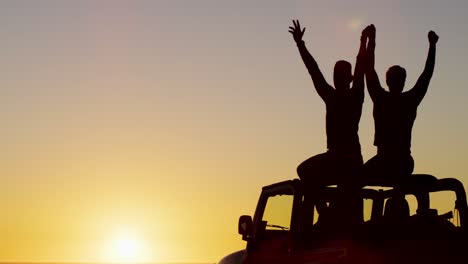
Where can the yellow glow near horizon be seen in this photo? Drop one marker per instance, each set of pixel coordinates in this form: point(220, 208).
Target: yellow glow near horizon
point(126, 247)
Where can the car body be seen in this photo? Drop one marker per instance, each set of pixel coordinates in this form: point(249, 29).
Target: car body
point(288, 228)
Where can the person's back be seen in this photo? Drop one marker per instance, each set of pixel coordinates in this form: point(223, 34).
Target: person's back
point(394, 118)
point(344, 110)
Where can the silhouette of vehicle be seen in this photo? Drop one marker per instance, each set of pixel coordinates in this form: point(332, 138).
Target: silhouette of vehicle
point(286, 229)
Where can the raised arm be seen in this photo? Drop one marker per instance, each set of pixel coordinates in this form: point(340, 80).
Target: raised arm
point(358, 80)
point(321, 85)
point(420, 88)
point(372, 80)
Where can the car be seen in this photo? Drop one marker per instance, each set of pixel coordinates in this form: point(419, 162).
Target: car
point(292, 225)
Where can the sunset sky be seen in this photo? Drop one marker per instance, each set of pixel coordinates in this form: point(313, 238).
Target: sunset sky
point(159, 121)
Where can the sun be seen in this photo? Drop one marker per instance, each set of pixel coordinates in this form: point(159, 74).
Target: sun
point(126, 247)
point(355, 24)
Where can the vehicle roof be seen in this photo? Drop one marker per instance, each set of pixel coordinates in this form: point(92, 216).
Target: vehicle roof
point(415, 183)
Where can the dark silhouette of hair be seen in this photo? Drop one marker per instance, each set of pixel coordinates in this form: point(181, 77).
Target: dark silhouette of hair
point(342, 75)
point(396, 77)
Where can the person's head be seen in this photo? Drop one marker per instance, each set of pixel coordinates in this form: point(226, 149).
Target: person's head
point(342, 75)
point(396, 77)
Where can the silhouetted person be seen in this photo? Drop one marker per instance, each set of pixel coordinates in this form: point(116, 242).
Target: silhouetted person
point(339, 165)
point(344, 107)
point(394, 114)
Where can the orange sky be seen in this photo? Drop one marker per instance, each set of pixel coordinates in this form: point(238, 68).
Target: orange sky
point(166, 118)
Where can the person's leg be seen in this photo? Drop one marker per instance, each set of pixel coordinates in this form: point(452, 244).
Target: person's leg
point(313, 173)
point(334, 168)
point(350, 183)
point(348, 169)
point(314, 170)
point(399, 167)
point(390, 168)
point(373, 167)
point(407, 165)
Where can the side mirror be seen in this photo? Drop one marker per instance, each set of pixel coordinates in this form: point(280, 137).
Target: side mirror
point(245, 226)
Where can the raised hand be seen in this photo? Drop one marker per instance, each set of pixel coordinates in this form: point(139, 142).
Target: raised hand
point(296, 31)
point(432, 36)
point(371, 31)
point(367, 31)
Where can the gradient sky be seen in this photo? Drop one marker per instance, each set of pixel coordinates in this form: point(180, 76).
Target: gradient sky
point(164, 118)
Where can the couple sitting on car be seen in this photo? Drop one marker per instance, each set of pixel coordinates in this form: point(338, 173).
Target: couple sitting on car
point(394, 114)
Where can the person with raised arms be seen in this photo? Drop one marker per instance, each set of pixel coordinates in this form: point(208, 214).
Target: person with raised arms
point(394, 113)
point(343, 112)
